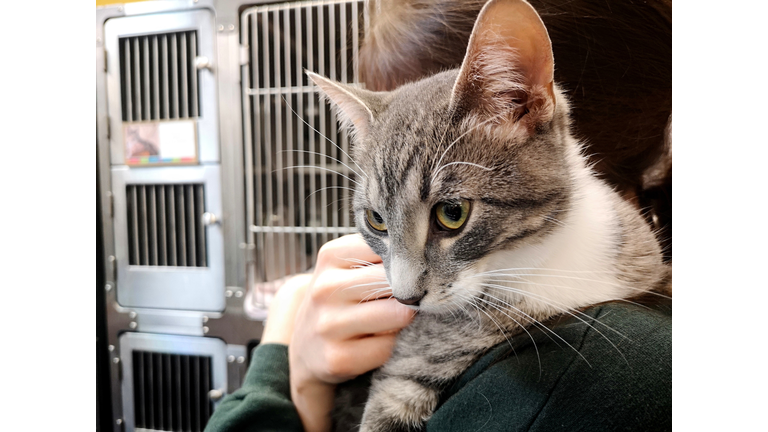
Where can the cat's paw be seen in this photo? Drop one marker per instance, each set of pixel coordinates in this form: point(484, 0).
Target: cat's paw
point(398, 404)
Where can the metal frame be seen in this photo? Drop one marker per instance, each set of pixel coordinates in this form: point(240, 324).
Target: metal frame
point(184, 288)
point(184, 345)
point(230, 324)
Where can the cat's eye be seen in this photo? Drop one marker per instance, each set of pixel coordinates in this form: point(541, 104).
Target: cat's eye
point(375, 221)
point(452, 215)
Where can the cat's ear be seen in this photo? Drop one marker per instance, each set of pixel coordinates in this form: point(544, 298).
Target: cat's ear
point(508, 71)
point(354, 106)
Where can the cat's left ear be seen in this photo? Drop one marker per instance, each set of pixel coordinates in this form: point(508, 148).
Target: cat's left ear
point(508, 71)
point(355, 107)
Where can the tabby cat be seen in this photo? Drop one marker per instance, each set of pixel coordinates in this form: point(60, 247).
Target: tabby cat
point(478, 199)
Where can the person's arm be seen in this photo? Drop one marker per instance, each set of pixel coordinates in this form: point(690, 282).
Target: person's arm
point(264, 400)
point(263, 403)
point(335, 332)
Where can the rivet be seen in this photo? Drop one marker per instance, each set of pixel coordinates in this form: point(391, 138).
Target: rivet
point(231, 27)
point(221, 27)
point(119, 8)
point(228, 293)
point(132, 325)
point(205, 330)
point(132, 315)
point(108, 287)
point(230, 359)
point(119, 422)
point(116, 360)
point(238, 293)
point(111, 348)
point(205, 318)
point(241, 359)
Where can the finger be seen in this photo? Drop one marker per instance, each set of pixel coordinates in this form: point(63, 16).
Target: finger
point(368, 353)
point(278, 327)
point(350, 285)
point(346, 252)
point(368, 318)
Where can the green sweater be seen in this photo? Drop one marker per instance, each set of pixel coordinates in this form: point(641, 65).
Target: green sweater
point(615, 375)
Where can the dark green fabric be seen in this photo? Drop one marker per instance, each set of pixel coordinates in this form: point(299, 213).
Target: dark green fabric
point(620, 379)
point(263, 403)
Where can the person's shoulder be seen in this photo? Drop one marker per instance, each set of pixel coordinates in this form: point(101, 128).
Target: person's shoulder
point(608, 367)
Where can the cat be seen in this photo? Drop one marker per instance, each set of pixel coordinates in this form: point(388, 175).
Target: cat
point(614, 60)
point(476, 196)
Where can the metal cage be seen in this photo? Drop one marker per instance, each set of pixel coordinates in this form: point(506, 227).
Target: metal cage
point(221, 174)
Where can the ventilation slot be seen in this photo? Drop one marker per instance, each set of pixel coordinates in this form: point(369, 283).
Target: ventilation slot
point(298, 190)
point(170, 391)
point(165, 225)
point(158, 77)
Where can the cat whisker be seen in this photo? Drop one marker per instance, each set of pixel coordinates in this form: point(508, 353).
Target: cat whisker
point(361, 261)
point(535, 347)
point(327, 139)
point(432, 180)
point(320, 168)
point(551, 302)
point(503, 333)
point(538, 324)
point(568, 311)
point(613, 284)
point(376, 293)
point(323, 155)
point(326, 188)
point(462, 163)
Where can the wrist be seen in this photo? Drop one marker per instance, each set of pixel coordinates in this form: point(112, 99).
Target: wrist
point(314, 402)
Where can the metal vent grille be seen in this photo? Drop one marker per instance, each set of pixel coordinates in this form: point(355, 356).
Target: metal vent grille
point(299, 183)
point(165, 225)
point(158, 77)
point(170, 391)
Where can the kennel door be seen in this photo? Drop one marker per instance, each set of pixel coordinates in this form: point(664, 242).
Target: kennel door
point(299, 173)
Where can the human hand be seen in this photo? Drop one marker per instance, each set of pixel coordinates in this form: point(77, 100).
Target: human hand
point(339, 332)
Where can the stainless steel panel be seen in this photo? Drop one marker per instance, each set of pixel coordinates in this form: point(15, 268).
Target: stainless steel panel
point(133, 28)
point(171, 287)
point(155, 352)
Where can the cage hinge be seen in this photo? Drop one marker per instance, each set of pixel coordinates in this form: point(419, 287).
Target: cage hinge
point(244, 60)
point(113, 267)
point(111, 204)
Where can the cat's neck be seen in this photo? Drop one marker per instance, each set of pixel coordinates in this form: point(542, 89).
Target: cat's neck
point(600, 250)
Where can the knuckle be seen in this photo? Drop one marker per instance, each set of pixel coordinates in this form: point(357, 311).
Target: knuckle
point(337, 362)
point(326, 254)
point(324, 325)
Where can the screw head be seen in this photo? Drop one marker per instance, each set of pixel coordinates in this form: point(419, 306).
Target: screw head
point(241, 359)
point(107, 287)
point(230, 359)
point(238, 293)
point(215, 394)
point(228, 293)
point(115, 360)
point(111, 348)
point(221, 27)
point(119, 422)
point(132, 315)
point(133, 325)
point(231, 27)
point(205, 330)
point(205, 318)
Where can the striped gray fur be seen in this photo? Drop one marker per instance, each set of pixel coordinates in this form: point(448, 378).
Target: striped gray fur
point(544, 235)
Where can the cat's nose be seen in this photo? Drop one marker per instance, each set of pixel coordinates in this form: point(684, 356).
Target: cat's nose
point(410, 301)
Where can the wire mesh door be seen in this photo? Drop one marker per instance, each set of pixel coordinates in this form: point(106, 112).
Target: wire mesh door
point(298, 180)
